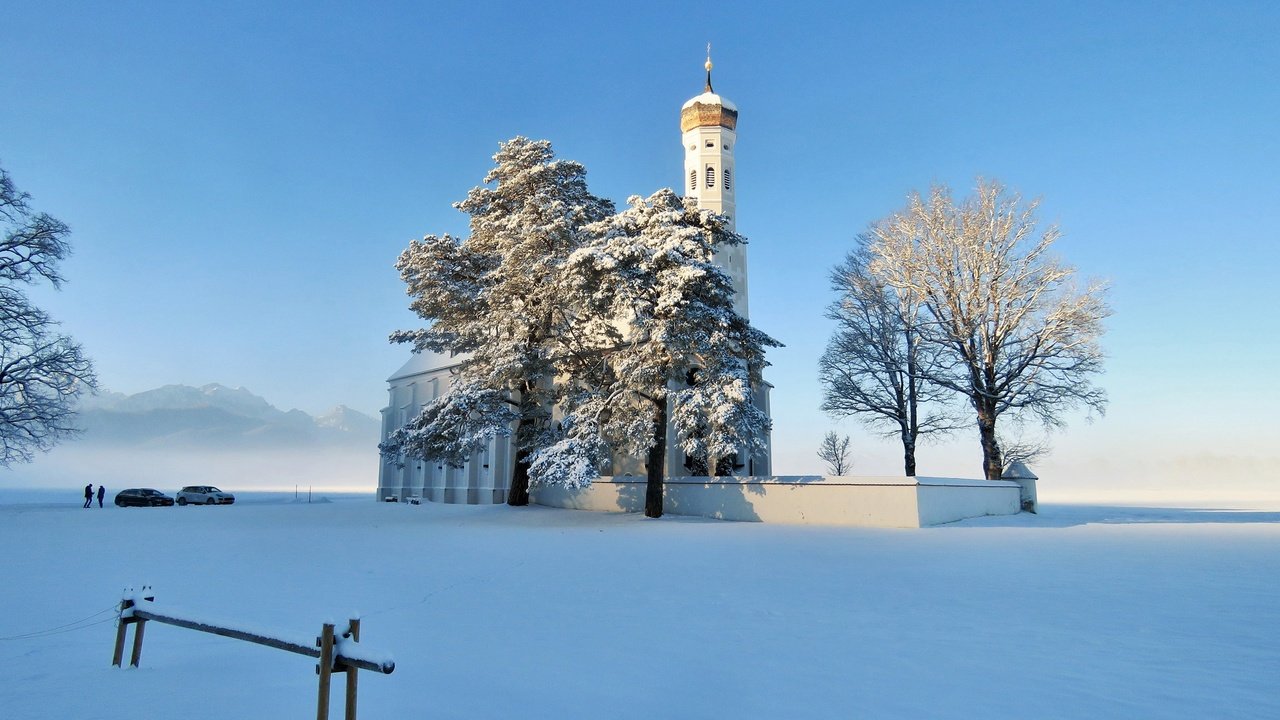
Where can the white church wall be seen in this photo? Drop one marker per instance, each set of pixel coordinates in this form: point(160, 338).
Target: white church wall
point(482, 480)
point(944, 500)
point(890, 501)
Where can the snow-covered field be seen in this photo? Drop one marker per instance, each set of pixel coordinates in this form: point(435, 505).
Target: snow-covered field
point(493, 612)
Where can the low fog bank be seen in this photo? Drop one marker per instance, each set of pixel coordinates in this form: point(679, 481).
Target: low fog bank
point(180, 435)
point(337, 469)
point(1085, 466)
point(1079, 470)
point(1064, 478)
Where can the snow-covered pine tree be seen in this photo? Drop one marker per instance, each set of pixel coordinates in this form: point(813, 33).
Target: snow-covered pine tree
point(455, 425)
point(488, 296)
point(653, 309)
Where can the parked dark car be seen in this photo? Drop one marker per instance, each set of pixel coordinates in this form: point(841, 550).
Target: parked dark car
point(142, 497)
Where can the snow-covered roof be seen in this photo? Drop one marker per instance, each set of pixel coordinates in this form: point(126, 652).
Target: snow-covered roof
point(425, 362)
point(710, 98)
point(1018, 470)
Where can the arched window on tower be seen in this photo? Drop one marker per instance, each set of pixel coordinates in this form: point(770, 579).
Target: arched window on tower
point(728, 179)
point(711, 176)
point(693, 179)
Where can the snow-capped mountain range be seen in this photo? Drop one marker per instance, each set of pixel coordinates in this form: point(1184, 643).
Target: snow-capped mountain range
point(215, 416)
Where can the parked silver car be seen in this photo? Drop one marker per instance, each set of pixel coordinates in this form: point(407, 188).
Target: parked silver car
point(204, 495)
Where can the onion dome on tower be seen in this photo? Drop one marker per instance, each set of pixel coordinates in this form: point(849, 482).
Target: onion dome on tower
point(708, 109)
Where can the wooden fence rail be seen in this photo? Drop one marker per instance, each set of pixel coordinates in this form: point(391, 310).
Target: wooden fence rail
point(327, 648)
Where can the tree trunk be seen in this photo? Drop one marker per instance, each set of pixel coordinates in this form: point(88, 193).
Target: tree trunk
point(657, 463)
point(992, 462)
point(908, 454)
point(518, 493)
point(912, 430)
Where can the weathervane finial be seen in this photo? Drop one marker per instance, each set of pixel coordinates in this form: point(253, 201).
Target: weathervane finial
point(709, 67)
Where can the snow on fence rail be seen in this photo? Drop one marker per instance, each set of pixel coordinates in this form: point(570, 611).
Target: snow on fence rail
point(337, 652)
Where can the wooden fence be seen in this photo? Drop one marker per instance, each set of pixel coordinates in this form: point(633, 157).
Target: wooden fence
point(335, 656)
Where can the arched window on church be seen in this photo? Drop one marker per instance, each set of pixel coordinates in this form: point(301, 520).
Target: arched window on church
point(693, 179)
point(711, 176)
point(728, 179)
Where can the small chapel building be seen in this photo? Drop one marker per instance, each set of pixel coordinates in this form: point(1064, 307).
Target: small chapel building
point(708, 126)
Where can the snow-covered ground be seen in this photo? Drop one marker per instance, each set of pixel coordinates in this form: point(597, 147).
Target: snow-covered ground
point(492, 612)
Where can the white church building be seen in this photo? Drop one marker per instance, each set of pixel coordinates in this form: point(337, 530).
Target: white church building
point(708, 126)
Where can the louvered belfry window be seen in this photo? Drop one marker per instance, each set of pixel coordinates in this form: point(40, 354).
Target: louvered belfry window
point(728, 179)
point(693, 179)
point(711, 176)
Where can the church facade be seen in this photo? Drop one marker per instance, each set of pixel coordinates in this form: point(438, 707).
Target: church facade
point(708, 125)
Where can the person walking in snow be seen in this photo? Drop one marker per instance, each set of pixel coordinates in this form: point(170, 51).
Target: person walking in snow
point(88, 495)
point(102, 490)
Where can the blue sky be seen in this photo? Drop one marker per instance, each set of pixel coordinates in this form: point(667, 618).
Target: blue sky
point(240, 178)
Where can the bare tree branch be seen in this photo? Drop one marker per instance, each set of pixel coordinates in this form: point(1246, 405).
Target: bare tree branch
point(876, 366)
point(42, 373)
point(1021, 337)
point(834, 451)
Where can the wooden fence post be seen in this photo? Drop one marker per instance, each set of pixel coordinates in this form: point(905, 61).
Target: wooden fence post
point(139, 626)
point(122, 626)
point(353, 631)
point(326, 647)
point(325, 641)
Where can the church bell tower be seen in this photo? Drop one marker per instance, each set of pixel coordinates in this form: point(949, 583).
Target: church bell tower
point(708, 126)
point(709, 132)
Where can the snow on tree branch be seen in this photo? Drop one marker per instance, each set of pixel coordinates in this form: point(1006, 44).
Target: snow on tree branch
point(487, 298)
point(1021, 336)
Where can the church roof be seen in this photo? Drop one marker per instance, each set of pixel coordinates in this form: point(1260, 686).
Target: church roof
point(425, 362)
point(708, 109)
point(1018, 470)
point(710, 98)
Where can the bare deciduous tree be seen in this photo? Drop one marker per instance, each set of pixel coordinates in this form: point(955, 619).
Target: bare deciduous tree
point(1026, 452)
point(834, 451)
point(42, 373)
point(875, 364)
point(1022, 337)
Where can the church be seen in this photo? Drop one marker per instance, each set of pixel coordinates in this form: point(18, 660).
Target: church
point(708, 126)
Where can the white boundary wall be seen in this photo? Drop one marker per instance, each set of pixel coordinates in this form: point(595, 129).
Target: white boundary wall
point(889, 501)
